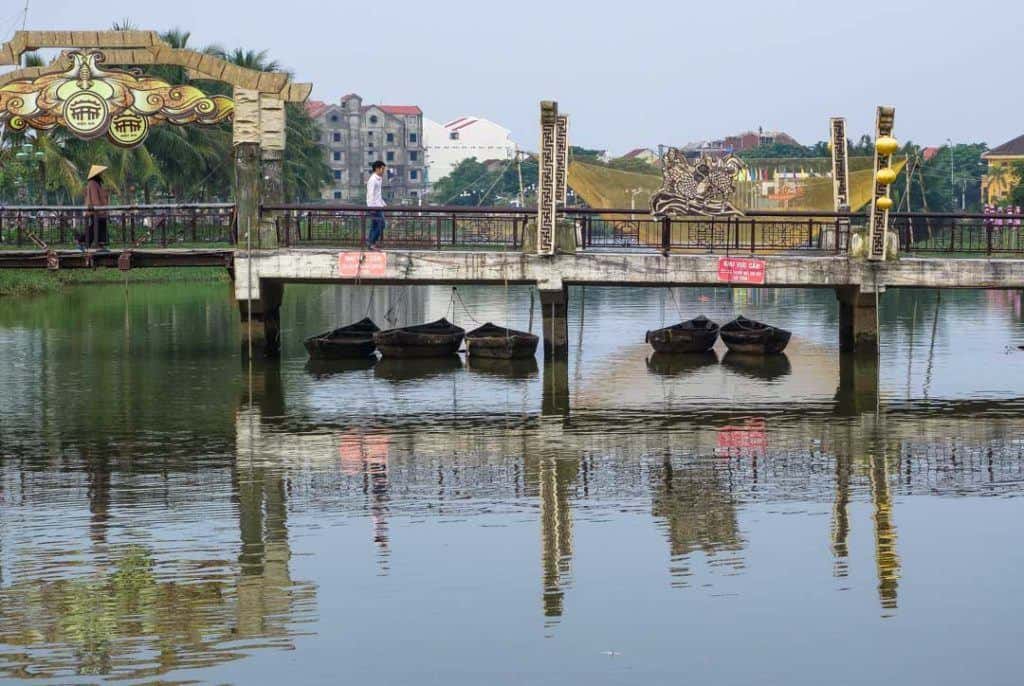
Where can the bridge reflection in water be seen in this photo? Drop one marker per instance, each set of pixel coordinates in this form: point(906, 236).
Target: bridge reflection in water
point(697, 470)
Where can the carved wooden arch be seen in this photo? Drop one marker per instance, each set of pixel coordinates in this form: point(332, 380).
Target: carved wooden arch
point(146, 48)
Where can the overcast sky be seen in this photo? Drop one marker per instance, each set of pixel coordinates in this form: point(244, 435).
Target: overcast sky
point(630, 74)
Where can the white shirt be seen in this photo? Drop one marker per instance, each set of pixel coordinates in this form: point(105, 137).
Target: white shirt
point(373, 188)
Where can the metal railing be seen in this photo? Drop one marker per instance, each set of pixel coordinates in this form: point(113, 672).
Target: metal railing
point(507, 228)
point(437, 228)
point(959, 234)
point(164, 226)
point(503, 228)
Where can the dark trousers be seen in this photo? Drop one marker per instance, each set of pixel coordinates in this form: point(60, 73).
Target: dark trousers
point(377, 225)
point(95, 231)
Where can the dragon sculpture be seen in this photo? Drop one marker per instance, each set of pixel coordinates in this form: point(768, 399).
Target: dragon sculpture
point(701, 187)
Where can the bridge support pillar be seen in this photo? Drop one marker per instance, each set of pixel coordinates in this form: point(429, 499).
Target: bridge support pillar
point(858, 320)
point(554, 305)
point(261, 317)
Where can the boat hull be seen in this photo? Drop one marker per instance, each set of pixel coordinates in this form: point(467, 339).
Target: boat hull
point(439, 339)
point(695, 336)
point(754, 338)
point(354, 341)
point(501, 344)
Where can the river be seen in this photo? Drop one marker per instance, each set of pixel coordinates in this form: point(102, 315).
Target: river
point(169, 512)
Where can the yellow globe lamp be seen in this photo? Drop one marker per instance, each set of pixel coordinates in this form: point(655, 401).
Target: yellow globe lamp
point(886, 145)
point(886, 175)
point(884, 203)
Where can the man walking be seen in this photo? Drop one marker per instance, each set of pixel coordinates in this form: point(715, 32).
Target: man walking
point(375, 199)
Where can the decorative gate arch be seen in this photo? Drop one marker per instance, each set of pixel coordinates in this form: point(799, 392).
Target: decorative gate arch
point(77, 92)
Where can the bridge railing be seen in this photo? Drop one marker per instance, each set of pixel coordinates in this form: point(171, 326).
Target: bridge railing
point(504, 228)
point(966, 235)
point(162, 226)
point(425, 228)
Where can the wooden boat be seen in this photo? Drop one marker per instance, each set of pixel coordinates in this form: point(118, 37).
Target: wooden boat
point(500, 343)
point(744, 335)
point(668, 364)
point(352, 341)
point(695, 336)
point(761, 367)
point(436, 339)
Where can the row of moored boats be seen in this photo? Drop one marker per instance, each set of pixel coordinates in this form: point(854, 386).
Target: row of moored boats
point(435, 339)
point(442, 338)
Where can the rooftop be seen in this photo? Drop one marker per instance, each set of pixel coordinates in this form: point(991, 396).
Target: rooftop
point(1013, 147)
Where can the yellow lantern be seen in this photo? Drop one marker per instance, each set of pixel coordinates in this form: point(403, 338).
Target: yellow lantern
point(884, 203)
point(886, 145)
point(886, 175)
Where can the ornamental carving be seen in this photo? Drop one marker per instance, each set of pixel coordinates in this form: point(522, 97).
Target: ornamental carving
point(701, 187)
point(90, 101)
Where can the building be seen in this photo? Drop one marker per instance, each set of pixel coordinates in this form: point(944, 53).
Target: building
point(644, 155)
point(1001, 178)
point(354, 135)
point(460, 139)
point(738, 143)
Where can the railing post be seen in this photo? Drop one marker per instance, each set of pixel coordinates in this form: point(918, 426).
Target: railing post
point(309, 227)
point(131, 228)
point(988, 239)
point(18, 239)
point(753, 230)
point(437, 230)
point(163, 233)
point(952, 236)
point(454, 219)
point(810, 232)
point(195, 237)
point(362, 240)
point(666, 234)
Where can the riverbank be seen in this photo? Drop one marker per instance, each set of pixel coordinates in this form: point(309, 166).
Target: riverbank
point(27, 282)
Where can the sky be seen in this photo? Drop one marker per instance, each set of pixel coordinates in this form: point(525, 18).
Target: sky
point(629, 74)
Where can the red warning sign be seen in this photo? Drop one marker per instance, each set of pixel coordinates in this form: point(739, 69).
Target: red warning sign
point(740, 270)
point(363, 265)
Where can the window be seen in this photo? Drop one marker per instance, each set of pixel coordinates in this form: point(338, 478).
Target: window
point(373, 118)
point(370, 145)
point(413, 156)
point(412, 137)
point(334, 117)
point(337, 174)
point(454, 136)
point(391, 138)
point(390, 156)
point(337, 195)
point(414, 194)
point(337, 156)
point(337, 137)
point(414, 174)
point(369, 134)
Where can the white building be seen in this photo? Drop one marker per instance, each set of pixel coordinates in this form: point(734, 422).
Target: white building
point(449, 144)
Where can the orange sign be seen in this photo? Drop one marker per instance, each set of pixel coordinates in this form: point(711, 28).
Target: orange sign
point(740, 270)
point(362, 265)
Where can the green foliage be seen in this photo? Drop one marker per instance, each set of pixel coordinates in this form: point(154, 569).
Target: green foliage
point(1016, 196)
point(778, 150)
point(176, 163)
point(935, 187)
point(633, 164)
point(26, 282)
point(470, 183)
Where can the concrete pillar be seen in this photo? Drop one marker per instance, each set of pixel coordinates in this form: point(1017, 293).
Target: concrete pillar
point(554, 306)
point(264, 315)
point(858, 320)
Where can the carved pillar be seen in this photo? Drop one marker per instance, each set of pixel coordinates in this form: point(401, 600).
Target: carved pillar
point(246, 141)
point(272, 144)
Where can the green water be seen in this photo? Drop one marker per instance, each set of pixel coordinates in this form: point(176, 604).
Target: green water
point(169, 513)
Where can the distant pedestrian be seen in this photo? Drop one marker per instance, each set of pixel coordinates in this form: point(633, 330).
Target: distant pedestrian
point(96, 196)
point(375, 199)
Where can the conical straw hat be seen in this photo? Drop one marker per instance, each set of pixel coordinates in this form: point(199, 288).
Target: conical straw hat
point(95, 170)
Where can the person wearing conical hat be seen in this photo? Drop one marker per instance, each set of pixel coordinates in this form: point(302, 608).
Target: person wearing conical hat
point(96, 196)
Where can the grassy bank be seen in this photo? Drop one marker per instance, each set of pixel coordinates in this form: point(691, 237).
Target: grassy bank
point(24, 282)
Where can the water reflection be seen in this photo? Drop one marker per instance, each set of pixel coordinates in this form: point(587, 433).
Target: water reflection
point(761, 367)
point(321, 369)
point(676, 365)
point(509, 369)
point(168, 514)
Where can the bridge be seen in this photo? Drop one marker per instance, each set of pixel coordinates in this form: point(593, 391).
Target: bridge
point(489, 246)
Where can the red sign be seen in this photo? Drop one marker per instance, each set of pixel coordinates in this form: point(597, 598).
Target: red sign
point(368, 265)
point(740, 270)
